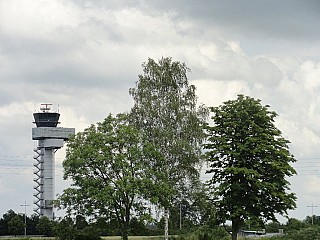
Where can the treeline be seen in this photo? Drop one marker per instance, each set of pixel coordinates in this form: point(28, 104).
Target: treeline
point(79, 227)
point(295, 229)
point(13, 223)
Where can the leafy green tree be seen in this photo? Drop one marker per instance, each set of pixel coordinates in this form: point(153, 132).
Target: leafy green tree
point(69, 229)
point(81, 222)
point(3, 228)
point(107, 167)
point(253, 223)
point(312, 220)
point(45, 226)
point(88, 233)
point(138, 228)
point(107, 226)
point(32, 223)
point(207, 232)
point(249, 162)
point(16, 225)
point(165, 110)
point(273, 227)
point(192, 210)
point(304, 233)
point(64, 229)
point(5, 220)
point(202, 210)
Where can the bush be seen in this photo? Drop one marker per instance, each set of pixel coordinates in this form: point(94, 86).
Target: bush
point(205, 233)
point(309, 233)
point(87, 233)
point(305, 234)
point(65, 230)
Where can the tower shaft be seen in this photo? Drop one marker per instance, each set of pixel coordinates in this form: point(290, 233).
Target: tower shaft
point(50, 139)
point(45, 176)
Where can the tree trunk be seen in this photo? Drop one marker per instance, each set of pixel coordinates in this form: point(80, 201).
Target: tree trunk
point(124, 237)
point(235, 229)
point(126, 225)
point(124, 228)
point(166, 224)
point(124, 234)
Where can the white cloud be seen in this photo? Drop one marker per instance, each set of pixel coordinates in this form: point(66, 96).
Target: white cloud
point(36, 19)
point(309, 73)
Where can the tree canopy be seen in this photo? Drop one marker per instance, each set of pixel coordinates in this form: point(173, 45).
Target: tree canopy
point(105, 162)
point(249, 161)
point(165, 109)
point(16, 225)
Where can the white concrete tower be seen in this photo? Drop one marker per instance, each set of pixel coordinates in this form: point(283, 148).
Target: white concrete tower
point(50, 139)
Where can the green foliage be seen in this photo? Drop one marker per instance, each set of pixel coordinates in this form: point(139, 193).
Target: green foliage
point(45, 226)
point(273, 227)
point(87, 233)
point(165, 110)
point(253, 223)
point(81, 222)
point(138, 228)
point(216, 233)
point(304, 234)
point(107, 167)
point(66, 229)
point(295, 224)
point(32, 223)
point(106, 226)
point(16, 225)
point(312, 220)
point(206, 233)
point(6, 218)
point(249, 162)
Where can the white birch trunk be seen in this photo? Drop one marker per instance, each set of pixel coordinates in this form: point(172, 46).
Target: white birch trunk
point(166, 224)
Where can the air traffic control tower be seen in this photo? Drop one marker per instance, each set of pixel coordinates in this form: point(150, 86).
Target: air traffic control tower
point(50, 139)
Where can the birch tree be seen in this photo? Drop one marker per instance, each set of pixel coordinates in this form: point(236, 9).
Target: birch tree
point(165, 110)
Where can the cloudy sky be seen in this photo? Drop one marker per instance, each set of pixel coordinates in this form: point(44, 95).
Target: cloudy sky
point(85, 55)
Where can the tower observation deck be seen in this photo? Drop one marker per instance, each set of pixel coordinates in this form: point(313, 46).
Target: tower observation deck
point(46, 118)
point(50, 139)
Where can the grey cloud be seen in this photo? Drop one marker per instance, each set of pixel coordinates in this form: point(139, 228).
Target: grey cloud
point(289, 19)
point(110, 4)
point(107, 30)
point(5, 96)
point(47, 63)
point(266, 72)
point(22, 46)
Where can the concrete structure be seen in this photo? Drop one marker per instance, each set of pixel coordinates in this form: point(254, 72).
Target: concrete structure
point(50, 139)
